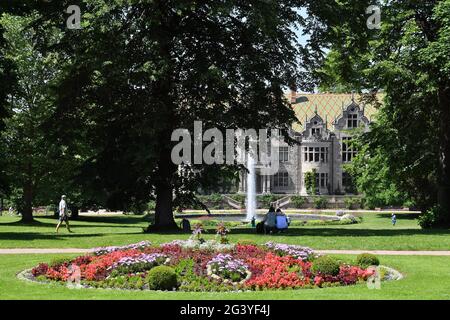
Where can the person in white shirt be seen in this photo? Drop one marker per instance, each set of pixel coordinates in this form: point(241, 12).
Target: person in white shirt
point(63, 214)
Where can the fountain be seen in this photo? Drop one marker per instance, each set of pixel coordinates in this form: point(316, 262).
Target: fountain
point(251, 188)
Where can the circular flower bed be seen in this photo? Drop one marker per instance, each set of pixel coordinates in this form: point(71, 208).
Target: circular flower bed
point(204, 266)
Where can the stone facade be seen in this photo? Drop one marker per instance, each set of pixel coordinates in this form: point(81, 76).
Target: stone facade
point(319, 148)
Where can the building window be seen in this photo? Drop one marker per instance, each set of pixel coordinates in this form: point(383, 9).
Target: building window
point(323, 180)
point(284, 154)
point(348, 153)
point(281, 179)
point(315, 154)
point(352, 121)
point(315, 131)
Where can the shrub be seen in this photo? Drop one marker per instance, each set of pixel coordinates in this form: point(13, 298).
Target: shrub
point(310, 182)
point(265, 201)
point(298, 201)
point(317, 222)
point(349, 217)
point(161, 278)
point(365, 260)
point(185, 267)
point(326, 266)
point(320, 202)
point(151, 205)
point(122, 282)
point(352, 203)
point(239, 198)
point(434, 217)
point(213, 201)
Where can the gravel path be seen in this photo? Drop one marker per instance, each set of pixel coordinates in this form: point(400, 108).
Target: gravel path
point(378, 252)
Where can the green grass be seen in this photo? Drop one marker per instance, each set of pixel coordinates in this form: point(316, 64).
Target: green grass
point(426, 278)
point(375, 232)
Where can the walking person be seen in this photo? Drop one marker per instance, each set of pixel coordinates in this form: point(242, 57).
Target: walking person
point(394, 219)
point(63, 214)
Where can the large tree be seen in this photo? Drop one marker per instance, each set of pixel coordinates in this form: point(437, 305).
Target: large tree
point(36, 167)
point(408, 58)
point(140, 69)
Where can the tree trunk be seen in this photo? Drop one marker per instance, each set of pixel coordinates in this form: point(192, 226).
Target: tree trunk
point(164, 88)
point(164, 194)
point(444, 153)
point(27, 203)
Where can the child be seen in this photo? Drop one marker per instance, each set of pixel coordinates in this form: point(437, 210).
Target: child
point(394, 219)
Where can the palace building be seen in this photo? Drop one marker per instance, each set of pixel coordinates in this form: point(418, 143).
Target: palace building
point(326, 125)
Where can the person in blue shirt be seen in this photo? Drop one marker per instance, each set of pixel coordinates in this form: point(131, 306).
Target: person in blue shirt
point(282, 221)
point(394, 219)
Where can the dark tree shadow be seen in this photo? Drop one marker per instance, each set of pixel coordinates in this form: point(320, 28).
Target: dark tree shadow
point(29, 236)
point(406, 216)
point(94, 222)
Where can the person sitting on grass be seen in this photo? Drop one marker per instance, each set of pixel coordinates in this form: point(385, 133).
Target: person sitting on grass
point(63, 214)
point(270, 221)
point(282, 220)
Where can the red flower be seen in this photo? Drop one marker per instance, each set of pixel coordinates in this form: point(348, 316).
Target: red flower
point(40, 270)
point(318, 281)
point(277, 272)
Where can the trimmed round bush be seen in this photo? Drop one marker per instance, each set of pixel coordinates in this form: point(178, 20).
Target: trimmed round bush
point(161, 278)
point(326, 266)
point(365, 260)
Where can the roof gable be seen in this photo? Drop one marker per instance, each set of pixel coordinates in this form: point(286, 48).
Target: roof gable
point(329, 106)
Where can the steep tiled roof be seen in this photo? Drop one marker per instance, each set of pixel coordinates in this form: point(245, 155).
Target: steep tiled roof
point(328, 105)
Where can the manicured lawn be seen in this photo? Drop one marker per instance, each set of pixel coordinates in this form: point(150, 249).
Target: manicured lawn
point(426, 278)
point(375, 232)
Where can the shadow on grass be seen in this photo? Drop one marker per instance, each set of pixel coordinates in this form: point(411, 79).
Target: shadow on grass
point(113, 219)
point(103, 222)
point(29, 236)
point(405, 216)
point(63, 234)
